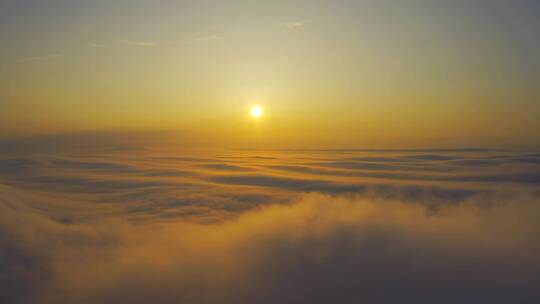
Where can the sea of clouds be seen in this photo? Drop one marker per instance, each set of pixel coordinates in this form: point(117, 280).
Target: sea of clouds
point(132, 224)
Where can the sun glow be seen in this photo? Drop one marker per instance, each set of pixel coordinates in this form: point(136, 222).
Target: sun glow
point(256, 111)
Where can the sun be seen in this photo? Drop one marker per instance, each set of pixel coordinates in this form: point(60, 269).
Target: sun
point(256, 111)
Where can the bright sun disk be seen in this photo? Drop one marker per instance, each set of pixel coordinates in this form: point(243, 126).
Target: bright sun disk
point(256, 111)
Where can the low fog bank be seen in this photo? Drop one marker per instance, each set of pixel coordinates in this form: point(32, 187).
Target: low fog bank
point(318, 248)
point(132, 224)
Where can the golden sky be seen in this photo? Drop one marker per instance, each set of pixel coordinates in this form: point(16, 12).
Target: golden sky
point(348, 74)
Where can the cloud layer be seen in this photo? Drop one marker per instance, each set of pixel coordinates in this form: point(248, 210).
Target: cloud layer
point(244, 226)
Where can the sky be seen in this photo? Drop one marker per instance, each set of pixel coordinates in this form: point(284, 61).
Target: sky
point(356, 73)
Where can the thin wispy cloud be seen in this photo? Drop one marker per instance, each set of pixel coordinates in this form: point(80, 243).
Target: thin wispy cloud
point(96, 45)
point(213, 37)
point(41, 57)
point(295, 24)
point(138, 43)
